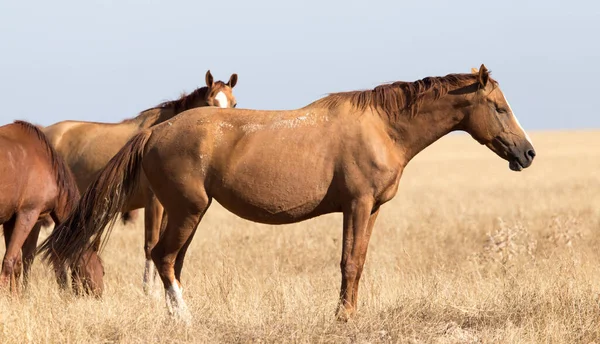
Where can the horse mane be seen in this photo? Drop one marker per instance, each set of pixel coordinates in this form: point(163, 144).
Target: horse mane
point(183, 102)
point(67, 187)
point(400, 97)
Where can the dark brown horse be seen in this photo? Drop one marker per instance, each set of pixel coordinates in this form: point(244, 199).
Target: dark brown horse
point(343, 153)
point(36, 183)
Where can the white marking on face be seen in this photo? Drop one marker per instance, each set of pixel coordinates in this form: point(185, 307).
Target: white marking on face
point(221, 99)
point(517, 120)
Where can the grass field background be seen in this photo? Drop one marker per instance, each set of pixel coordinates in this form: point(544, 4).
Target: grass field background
point(467, 252)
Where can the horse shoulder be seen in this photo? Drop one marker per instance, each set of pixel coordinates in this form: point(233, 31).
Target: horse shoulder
point(374, 163)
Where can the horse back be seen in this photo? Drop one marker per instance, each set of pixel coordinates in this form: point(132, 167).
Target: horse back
point(87, 147)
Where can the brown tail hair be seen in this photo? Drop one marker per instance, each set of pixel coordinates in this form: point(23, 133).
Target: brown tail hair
point(99, 206)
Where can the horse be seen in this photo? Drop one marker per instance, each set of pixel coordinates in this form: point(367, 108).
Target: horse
point(35, 183)
point(88, 146)
point(344, 153)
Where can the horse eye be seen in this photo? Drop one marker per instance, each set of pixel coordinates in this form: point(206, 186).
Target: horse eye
point(499, 109)
point(234, 105)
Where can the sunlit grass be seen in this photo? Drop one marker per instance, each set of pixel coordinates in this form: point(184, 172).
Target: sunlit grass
point(467, 252)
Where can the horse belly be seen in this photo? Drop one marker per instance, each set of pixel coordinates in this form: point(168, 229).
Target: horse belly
point(274, 207)
point(276, 186)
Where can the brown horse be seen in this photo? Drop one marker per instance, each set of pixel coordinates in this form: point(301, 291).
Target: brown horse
point(343, 153)
point(88, 146)
point(35, 183)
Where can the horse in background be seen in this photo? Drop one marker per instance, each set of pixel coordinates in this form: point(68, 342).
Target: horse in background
point(36, 184)
point(344, 153)
point(88, 146)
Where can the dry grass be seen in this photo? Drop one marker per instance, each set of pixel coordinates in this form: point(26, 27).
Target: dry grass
point(467, 252)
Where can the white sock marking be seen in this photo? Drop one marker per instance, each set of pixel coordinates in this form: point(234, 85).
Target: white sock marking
point(148, 276)
point(176, 304)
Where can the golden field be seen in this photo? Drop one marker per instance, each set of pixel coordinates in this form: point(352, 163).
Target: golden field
point(467, 252)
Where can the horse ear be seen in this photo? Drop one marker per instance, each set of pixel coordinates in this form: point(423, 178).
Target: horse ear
point(232, 80)
point(474, 71)
point(483, 76)
point(209, 79)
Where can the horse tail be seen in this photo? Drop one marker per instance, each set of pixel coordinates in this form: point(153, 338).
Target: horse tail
point(98, 208)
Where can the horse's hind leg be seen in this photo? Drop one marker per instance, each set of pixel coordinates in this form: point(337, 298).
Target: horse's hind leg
point(28, 250)
point(181, 254)
point(11, 265)
point(152, 225)
point(8, 227)
point(183, 219)
point(163, 226)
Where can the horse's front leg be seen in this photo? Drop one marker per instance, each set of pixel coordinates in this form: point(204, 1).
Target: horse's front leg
point(359, 219)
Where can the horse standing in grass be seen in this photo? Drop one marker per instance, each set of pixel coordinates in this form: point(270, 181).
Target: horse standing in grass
point(88, 146)
point(36, 183)
point(343, 153)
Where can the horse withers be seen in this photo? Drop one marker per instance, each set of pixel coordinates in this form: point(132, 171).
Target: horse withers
point(343, 153)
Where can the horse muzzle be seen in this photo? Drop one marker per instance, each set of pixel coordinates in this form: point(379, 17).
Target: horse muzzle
point(519, 156)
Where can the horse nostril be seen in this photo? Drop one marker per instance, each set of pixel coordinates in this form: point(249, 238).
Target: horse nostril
point(531, 153)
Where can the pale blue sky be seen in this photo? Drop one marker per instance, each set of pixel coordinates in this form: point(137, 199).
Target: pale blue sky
point(108, 60)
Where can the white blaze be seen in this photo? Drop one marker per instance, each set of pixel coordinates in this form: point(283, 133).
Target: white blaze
point(517, 120)
point(221, 99)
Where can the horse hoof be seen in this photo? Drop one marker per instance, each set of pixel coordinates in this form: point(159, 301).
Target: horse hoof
point(184, 317)
point(344, 315)
point(181, 315)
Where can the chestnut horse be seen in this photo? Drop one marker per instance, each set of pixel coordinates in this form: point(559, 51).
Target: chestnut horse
point(343, 153)
point(36, 183)
point(88, 146)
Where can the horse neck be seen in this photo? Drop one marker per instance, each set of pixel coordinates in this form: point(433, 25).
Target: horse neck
point(160, 114)
point(434, 120)
point(152, 117)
